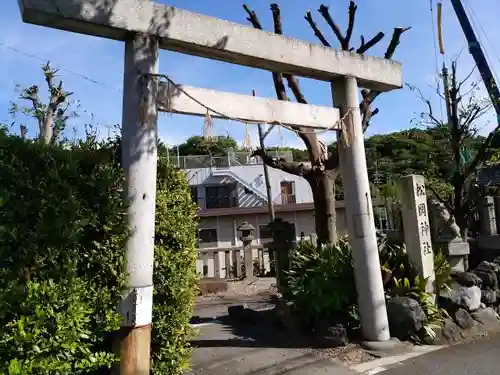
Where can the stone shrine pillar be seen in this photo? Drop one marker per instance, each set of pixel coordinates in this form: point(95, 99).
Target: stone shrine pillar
point(283, 243)
point(497, 212)
point(417, 231)
point(488, 219)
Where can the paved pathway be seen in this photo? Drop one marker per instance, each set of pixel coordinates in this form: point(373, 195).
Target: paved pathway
point(221, 351)
point(225, 350)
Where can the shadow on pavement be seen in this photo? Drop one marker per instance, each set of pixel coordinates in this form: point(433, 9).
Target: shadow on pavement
point(260, 329)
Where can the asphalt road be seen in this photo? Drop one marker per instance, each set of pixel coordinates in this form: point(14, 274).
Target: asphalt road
point(481, 357)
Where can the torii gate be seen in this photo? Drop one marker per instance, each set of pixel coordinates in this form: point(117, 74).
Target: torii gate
point(145, 27)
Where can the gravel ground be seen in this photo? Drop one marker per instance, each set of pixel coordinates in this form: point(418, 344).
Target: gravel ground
point(351, 354)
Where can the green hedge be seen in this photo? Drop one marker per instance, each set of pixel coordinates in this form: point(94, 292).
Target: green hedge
point(62, 235)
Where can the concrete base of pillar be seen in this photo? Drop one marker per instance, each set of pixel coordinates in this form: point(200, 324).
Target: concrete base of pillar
point(391, 346)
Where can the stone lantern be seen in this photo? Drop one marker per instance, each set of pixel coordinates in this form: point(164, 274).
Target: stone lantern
point(247, 232)
point(247, 236)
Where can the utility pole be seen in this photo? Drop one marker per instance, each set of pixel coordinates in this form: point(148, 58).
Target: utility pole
point(446, 89)
point(270, 205)
point(478, 55)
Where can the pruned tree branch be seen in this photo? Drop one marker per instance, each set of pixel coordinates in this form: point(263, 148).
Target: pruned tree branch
point(311, 140)
point(297, 169)
point(51, 117)
point(325, 12)
point(366, 46)
point(350, 26)
point(395, 40)
point(316, 30)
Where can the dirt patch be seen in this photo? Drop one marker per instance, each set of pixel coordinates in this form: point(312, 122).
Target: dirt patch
point(244, 288)
point(212, 286)
point(351, 354)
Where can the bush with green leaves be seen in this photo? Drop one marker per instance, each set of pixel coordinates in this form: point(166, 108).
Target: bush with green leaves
point(175, 275)
point(321, 282)
point(62, 234)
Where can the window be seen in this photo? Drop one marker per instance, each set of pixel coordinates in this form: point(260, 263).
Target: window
point(207, 237)
point(287, 192)
point(220, 196)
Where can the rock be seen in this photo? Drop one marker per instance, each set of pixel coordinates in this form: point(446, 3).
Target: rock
point(488, 277)
point(460, 296)
point(450, 330)
point(464, 319)
point(496, 261)
point(484, 265)
point(468, 279)
point(406, 317)
point(488, 273)
point(286, 315)
point(485, 316)
point(331, 337)
point(242, 314)
point(236, 311)
point(488, 297)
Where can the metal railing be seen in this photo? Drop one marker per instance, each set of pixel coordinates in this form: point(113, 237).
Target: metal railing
point(231, 159)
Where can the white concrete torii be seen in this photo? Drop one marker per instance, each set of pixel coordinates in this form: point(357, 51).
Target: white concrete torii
point(145, 27)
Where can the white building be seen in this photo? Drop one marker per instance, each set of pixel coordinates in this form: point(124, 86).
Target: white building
point(232, 190)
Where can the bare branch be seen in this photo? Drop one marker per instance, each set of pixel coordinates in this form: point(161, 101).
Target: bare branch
point(395, 40)
point(316, 29)
point(297, 169)
point(366, 46)
point(350, 27)
point(310, 140)
point(252, 17)
point(323, 10)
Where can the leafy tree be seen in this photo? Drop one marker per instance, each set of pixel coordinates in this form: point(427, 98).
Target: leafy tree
point(462, 152)
point(52, 116)
point(297, 153)
point(198, 145)
point(323, 169)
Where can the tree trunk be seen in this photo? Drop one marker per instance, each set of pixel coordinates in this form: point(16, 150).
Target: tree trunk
point(324, 209)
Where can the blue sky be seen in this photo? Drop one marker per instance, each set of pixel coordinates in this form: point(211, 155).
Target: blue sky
point(102, 60)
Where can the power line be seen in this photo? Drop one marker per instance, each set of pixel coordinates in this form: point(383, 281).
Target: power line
point(80, 75)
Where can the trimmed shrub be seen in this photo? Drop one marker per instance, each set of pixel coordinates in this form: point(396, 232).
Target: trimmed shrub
point(62, 235)
point(175, 275)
